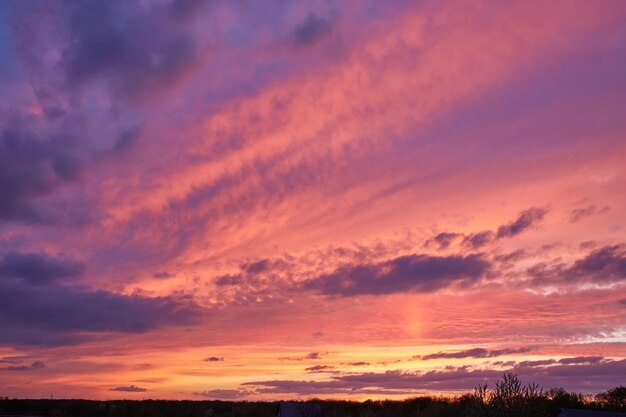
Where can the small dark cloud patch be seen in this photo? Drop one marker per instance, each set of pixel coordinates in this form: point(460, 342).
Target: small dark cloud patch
point(312, 29)
point(319, 368)
point(127, 139)
point(252, 273)
point(13, 359)
point(525, 220)
point(445, 239)
point(214, 359)
point(532, 364)
point(316, 355)
point(162, 275)
point(418, 273)
point(23, 368)
point(578, 360)
point(39, 268)
point(478, 240)
point(474, 353)
point(225, 394)
point(604, 264)
point(309, 356)
point(583, 212)
point(358, 363)
point(257, 267)
point(581, 359)
point(588, 244)
point(229, 280)
point(511, 257)
point(504, 363)
point(130, 388)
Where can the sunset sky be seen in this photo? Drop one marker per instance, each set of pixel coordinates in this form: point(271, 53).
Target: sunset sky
point(282, 199)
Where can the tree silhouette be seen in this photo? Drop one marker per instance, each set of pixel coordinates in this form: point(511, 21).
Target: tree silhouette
point(509, 398)
point(613, 399)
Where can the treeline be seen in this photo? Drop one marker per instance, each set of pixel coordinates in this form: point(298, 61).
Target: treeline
point(509, 398)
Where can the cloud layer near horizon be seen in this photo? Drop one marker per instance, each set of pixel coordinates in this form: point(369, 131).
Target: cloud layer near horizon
point(367, 199)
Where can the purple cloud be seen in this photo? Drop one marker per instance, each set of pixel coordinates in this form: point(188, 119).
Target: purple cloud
point(162, 275)
point(445, 239)
point(311, 29)
point(34, 366)
point(419, 273)
point(525, 220)
point(587, 377)
point(582, 359)
point(57, 315)
point(33, 165)
point(581, 213)
point(604, 264)
point(130, 388)
point(136, 49)
point(39, 268)
point(474, 353)
point(478, 240)
point(316, 355)
point(225, 394)
point(309, 356)
point(319, 368)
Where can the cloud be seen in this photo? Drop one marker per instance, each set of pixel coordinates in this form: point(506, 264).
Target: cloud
point(58, 315)
point(581, 213)
point(34, 366)
point(605, 264)
point(214, 359)
point(257, 267)
point(126, 140)
point(474, 353)
point(130, 388)
point(319, 368)
point(225, 394)
point(525, 220)
point(419, 273)
point(162, 275)
point(39, 268)
point(445, 239)
point(252, 275)
point(13, 359)
point(227, 280)
point(540, 362)
point(587, 377)
point(33, 165)
point(316, 355)
point(309, 356)
point(312, 29)
point(138, 50)
point(478, 240)
point(581, 359)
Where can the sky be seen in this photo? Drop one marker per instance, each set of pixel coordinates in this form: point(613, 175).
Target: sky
point(281, 199)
